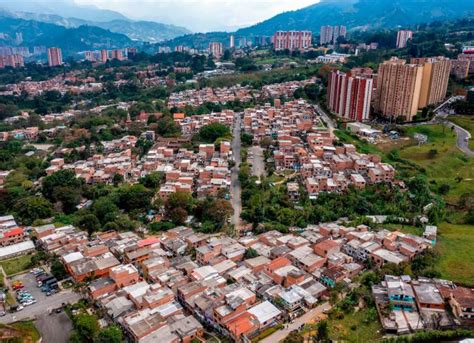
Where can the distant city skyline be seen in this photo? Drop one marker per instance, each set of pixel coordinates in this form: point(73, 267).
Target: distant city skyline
point(201, 15)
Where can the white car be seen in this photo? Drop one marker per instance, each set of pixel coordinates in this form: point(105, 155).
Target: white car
point(19, 308)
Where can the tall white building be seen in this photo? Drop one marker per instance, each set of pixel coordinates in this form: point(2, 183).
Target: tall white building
point(402, 38)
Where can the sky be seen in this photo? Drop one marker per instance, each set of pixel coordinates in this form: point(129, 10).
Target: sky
point(201, 15)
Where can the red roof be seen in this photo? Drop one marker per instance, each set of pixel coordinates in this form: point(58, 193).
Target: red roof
point(13, 232)
point(148, 241)
point(278, 263)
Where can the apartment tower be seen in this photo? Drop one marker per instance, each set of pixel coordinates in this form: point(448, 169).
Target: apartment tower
point(403, 36)
point(215, 49)
point(398, 89)
point(55, 57)
point(292, 40)
point(349, 94)
point(435, 79)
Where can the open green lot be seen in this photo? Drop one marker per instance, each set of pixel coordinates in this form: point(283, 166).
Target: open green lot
point(442, 161)
point(455, 246)
point(16, 265)
point(466, 122)
point(358, 327)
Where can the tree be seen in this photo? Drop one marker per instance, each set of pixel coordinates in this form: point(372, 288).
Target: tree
point(32, 208)
point(69, 198)
point(89, 223)
point(250, 253)
point(111, 334)
point(178, 215)
point(105, 209)
point(117, 179)
point(210, 133)
point(152, 180)
point(62, 178)
point(136, 197)
point(323, 331)
point(246, 138)
point(87, 327)
point(58, 270)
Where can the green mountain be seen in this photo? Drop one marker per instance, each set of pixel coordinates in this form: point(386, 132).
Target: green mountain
point(63, 8)
point(70, 40)
point(363, 14)
point(146, 31)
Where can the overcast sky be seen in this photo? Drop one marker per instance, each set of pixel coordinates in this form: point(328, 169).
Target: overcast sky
point(201, 15)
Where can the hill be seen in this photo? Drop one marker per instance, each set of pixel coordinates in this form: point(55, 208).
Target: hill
point(146, 31)
point(363, 14)
point(63, 8)
point(70, 40)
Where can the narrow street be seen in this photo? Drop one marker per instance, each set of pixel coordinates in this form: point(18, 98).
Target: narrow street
point(304, 319)
point(325, 118)
point(235, 183)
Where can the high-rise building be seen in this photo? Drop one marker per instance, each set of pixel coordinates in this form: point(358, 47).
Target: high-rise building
point(232, 41)
point(403, 36)
point(292, 40)
point(18, 38)
point(349, 95)
point(398, 89)
point(131, 52)
point(39, 50)
point(215, 49)
point(435, 79)
point(326, 35)
point(460, 68)
point(89, 56)
point(117, 54)
point(14, 61)
point(468, 57)
point(55, 57)
point(330, 34)
point(104, 55)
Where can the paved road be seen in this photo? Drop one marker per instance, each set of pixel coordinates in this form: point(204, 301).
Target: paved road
point(258, 163)
point(235, 183)
point(280, 335)
point(55, 327)
point(325, 117)
point(442, 117)
point(462, 140)
point(41, 307)
point(463, 135)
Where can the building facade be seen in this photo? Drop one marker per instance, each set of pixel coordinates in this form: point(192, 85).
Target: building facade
point(434, 85)
point(330, 34)
point(398, 89)
point(403, 36)
point(55, 57)
point(292, 40)
point(349, 95)
point(215, 49)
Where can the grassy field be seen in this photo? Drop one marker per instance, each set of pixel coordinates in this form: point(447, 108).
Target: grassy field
point(20, 332)
point(455, 243)
point(409, 229)
point(441, 160)
point(466, 122)
point(357, 327)
point(16, 265)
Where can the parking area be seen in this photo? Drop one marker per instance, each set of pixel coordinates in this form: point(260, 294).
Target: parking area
point(42, 303)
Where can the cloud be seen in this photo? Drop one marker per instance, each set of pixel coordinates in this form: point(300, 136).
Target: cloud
point(201, 15)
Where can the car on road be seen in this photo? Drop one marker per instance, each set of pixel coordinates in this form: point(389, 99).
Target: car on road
point(19, 308)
